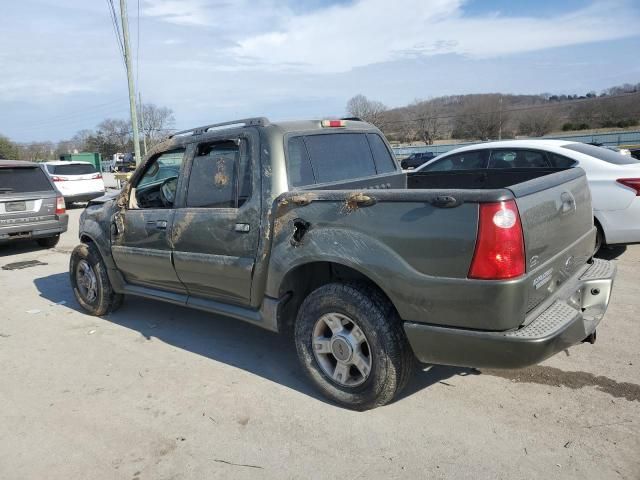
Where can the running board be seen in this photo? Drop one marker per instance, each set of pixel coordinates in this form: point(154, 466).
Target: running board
point(265, 317)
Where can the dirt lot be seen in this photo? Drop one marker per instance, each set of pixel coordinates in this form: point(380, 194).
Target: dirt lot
point(157, 391)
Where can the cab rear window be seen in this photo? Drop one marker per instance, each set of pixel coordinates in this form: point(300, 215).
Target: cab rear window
point(23, 180)
point(336, 157)
point(72, 169)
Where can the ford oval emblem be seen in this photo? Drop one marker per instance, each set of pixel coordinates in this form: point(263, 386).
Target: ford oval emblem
point(569, 262)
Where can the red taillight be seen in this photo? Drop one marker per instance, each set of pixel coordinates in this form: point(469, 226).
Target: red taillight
point(633, 183)
point(333, 123)
point(97, 176)
point(56, 179)
point(60, 206)
point(500, 244)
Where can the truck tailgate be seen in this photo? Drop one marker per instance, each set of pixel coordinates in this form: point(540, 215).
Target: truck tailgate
point(557, 221)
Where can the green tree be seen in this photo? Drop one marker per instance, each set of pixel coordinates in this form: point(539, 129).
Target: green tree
point(8, 149)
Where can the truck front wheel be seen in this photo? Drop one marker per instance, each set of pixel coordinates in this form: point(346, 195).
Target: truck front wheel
point(90, 283)
point(351, 344)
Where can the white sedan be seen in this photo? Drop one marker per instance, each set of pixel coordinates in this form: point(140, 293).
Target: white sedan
point(76, 181)
point(614, 179)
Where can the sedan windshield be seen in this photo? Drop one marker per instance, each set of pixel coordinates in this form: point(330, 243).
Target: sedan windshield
point(600, 153)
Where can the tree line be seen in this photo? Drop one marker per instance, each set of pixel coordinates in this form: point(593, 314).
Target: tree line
point(108, 137)
point(494, 115)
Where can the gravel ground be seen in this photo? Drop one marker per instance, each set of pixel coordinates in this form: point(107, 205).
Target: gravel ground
point(157, 391)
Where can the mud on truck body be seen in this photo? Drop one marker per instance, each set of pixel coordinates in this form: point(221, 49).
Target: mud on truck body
point(310, 228)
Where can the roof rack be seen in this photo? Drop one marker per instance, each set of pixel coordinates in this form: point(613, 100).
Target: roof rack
point(247, 122)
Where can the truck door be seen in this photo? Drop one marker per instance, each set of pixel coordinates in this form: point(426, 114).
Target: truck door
point(216, 231)
point(140, 232)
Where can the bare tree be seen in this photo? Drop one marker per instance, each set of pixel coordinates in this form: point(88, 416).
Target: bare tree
point(536, 123)
point(36, 151)
point(157, 123)
point(426, 122)
point(481, 118)
point(368, 110)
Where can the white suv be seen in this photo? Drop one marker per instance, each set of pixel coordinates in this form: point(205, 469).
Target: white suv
point(77, 181)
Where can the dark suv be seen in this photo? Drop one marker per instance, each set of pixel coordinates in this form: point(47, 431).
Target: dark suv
point(416, 159)
point(30, 205)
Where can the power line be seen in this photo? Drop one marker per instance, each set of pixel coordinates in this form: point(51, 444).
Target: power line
point(72, 114)
point(116, 29)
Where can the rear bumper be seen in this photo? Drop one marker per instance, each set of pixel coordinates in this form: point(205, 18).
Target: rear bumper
point(34, 230)
point(83, 197)
point(566, 319)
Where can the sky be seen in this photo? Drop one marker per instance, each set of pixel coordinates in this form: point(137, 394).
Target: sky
point(217, 60)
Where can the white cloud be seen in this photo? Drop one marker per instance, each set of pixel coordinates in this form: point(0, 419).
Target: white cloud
point(343, 37)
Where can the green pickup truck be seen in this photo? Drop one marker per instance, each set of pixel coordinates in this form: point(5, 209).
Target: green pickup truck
point(310, 228)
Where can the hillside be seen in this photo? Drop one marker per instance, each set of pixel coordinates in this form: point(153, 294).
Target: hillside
point(494, 115)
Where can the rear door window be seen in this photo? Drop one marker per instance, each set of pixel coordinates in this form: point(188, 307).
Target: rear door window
point(335, 157)
point(220, 176)
point(23, 180)
point(72, 169)
point(560, 161)
point(472, 160)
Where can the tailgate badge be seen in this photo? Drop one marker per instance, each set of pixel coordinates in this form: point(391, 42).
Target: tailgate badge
point(569, 262)
point(533, 261)
point(543, 279)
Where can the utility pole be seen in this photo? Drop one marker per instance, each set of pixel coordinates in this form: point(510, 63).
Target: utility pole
point(500, 121)
point(144, 136)
point(132, 90)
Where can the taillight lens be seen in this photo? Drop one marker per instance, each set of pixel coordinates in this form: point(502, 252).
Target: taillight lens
point(499, 250)
point(96, 176)
point(56, 179)
point(333, 123)
point(633, 183)
point(60, 206)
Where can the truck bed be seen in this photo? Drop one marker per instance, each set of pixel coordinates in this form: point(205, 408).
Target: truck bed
point(418, 238)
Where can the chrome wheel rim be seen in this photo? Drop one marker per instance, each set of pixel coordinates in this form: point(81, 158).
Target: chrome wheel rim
point(86, 281)
point(341, 349)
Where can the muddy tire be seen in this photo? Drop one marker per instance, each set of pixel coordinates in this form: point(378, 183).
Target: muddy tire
point(48, 242)
point(90, 283)
point(351, 344)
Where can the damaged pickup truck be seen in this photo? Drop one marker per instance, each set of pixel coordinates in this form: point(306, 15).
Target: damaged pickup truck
point(311, 228)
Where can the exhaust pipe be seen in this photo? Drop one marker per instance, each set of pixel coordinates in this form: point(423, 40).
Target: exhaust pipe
point(591, 338)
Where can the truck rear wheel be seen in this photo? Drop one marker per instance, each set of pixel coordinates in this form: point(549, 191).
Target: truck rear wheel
point(351, 344)
point(90, 283)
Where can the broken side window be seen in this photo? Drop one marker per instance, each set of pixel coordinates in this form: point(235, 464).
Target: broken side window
point(220, 175)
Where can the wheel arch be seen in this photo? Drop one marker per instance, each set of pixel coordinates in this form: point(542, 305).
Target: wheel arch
point(599, 225)
point(302, 279)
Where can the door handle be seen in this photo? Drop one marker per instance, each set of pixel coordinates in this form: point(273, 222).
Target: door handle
point(242, 228)
point(568, 202)
point(158, 224)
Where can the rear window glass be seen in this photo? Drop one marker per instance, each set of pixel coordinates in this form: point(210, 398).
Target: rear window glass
point(72, 169)
point(23, 180)
point(473, 160)
point(381, 156)
point(600, 153)
point(335, 157)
